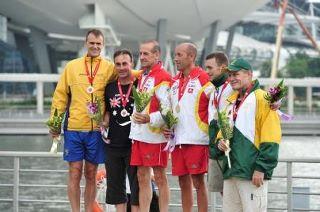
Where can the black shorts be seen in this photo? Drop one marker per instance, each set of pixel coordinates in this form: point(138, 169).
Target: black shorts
point(117, 167)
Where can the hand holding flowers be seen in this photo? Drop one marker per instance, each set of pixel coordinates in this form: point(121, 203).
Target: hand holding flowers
point(141, 99)
point(170, 120)
point(277, 93)
point(274, 96)
point(54, 124)
point(227, 133)
point(168, 117)
point(95, 113)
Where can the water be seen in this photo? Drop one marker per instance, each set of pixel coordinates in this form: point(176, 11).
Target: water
point(291, 147)
point(32, 143)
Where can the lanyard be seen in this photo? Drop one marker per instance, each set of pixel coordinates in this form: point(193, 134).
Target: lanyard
point(217, 95)
point(182, 86)
point(141, 85)
point(91, 78)
point(236, 108)
point(153, 69)
point(125, 99)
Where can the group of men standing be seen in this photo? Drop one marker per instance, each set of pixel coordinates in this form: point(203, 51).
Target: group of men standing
point(195, 96)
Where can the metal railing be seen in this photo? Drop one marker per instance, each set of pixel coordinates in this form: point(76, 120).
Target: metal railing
point(16, 185)
point(40, 79)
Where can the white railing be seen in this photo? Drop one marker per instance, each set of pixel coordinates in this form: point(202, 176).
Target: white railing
point(16, 185)
point(40, 79)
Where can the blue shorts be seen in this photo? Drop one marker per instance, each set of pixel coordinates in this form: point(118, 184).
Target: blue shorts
point(80, 146)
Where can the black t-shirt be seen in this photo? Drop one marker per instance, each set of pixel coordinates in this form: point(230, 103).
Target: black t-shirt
point(119, 123)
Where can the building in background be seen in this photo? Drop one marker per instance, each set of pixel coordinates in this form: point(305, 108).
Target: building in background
point(39, 36)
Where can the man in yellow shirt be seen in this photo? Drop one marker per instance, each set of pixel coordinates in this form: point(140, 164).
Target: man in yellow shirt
point(82, 82)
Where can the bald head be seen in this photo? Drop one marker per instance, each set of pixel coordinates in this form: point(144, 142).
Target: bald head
point(190, 49)
point(185, 56)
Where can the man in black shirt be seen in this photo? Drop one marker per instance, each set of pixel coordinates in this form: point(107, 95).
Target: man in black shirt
point(119, 107)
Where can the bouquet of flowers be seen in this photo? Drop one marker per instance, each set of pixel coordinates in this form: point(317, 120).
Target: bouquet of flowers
point(226, 130)
point(95, 113)
point(94, 110)
point(275, 95)
point(141, 99)
point(170, 120)
point(54, 124)
point(168, 117)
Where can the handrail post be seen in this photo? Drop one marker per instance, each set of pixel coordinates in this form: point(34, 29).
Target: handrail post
point(290, 100)
point(214, 201)
point(309, 98)
point(289, 187)
point(40, 97)
point(16, 183)
point(211, 200)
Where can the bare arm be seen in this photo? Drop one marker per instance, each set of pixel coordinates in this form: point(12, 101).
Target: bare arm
point(106, 119)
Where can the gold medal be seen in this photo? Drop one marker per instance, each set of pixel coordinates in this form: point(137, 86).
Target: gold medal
point(90, 89)
point(177, 108)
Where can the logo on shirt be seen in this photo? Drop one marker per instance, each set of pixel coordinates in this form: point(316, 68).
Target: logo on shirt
point(149, 156)
point(190, 90)
point(148, 84)
point(191, 86)
point(115, 102)
point(194, 166)
point(174, 89)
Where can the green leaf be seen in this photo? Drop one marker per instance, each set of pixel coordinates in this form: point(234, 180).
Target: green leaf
point(224, 125)
point(55, 112)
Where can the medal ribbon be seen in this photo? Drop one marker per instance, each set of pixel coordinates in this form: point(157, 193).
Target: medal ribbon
point(182, 86)
point(141, 85)
point(91, 78)
point(156, 67)
point(236, 108)
point(124, 100)
point(217, 95)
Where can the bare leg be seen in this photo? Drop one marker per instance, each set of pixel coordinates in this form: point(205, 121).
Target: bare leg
point(121, 207)
point(202, 194)
point(145, 191)
point(75, 173)
point(161, 180)
point(135, 208)
point(186, 192)
point(90, 171)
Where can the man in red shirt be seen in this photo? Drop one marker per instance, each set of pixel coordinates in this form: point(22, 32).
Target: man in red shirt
point(149, 142)
point(189, 95)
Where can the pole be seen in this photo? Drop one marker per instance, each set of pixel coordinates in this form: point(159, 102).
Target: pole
point(276, 55)
point(305, 30)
